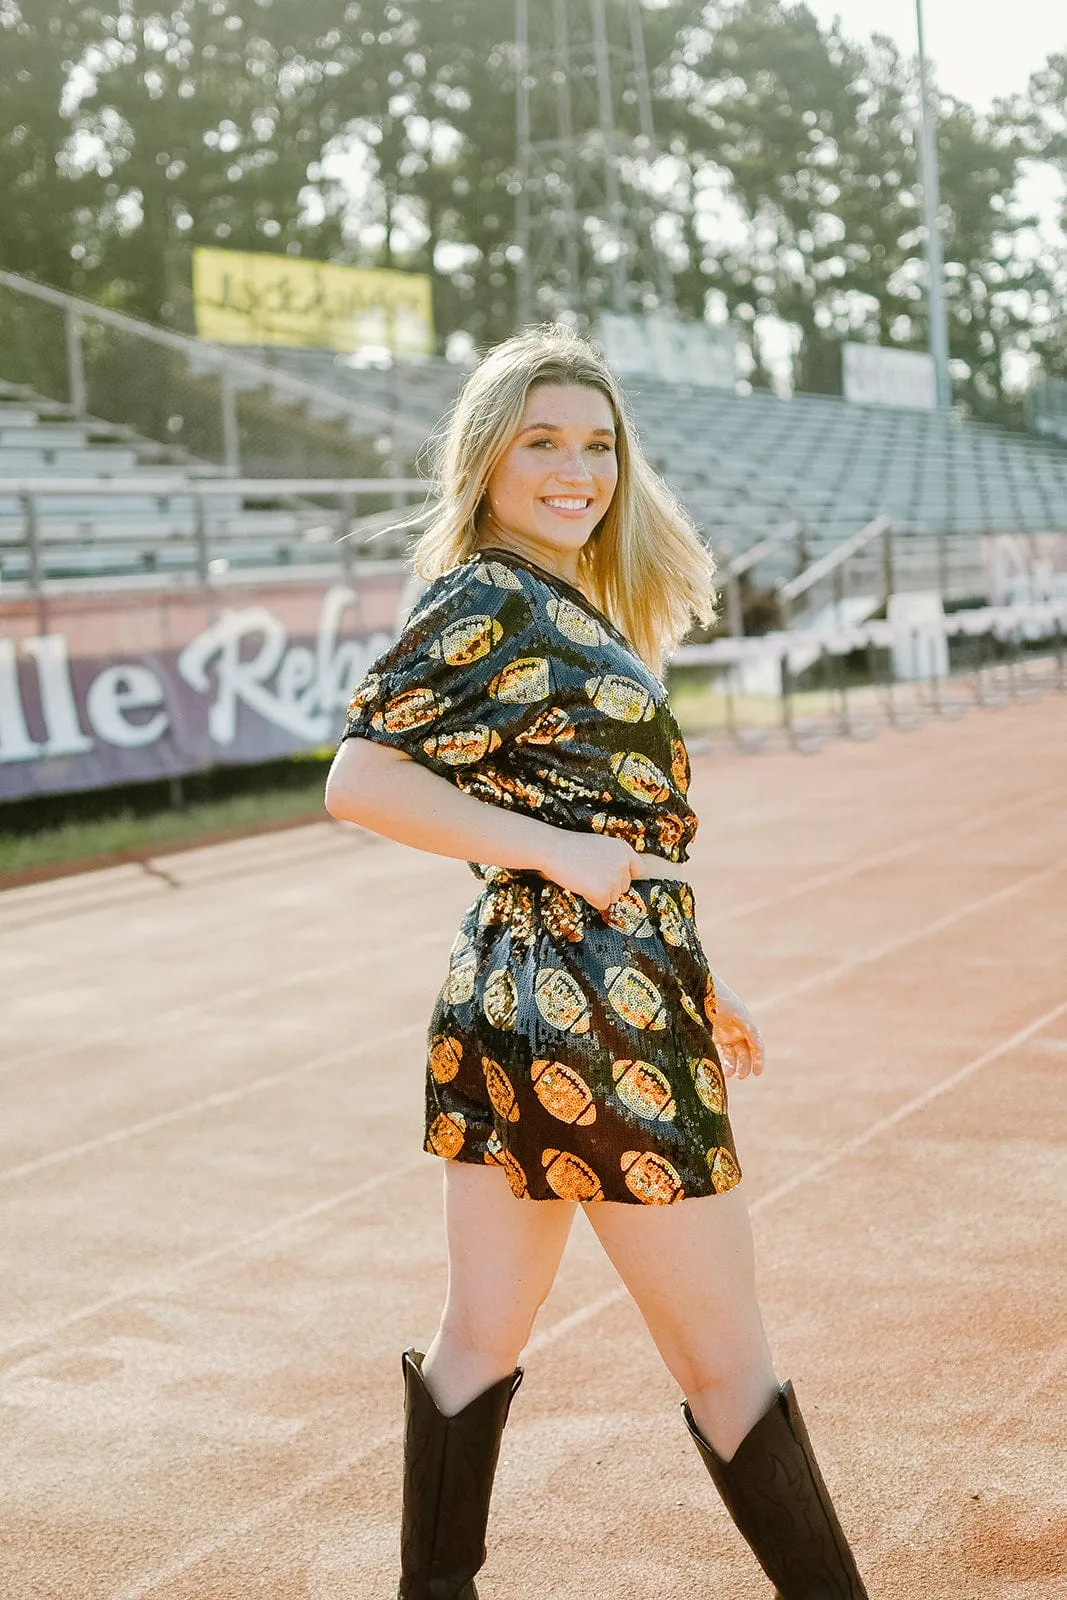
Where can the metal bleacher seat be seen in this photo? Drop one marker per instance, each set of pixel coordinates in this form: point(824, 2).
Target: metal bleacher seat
point(750, 467)
point(838, 466)
point(85, 534)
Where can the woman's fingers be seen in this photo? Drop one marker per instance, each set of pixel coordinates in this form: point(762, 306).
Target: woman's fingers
point(742, 1059)
point(614, 894)
point(740, 1047)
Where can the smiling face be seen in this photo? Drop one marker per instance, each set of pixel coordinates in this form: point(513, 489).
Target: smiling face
point(556, 478)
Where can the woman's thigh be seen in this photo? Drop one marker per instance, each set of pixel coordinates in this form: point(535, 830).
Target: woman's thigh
point(690, 1270)
point(503, 1255)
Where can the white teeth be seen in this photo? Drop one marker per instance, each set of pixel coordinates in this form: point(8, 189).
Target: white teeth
point(569, 505)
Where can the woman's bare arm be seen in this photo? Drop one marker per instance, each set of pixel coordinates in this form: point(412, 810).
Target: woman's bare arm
point(385, 790)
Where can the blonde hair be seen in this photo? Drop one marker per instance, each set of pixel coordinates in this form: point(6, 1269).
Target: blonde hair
point(645, 566)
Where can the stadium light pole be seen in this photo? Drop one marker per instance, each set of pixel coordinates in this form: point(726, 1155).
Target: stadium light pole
point(935, 266)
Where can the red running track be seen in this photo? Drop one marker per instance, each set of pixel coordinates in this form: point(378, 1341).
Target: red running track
point(219, 1230)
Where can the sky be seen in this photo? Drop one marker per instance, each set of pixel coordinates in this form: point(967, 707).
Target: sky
point(980, 48)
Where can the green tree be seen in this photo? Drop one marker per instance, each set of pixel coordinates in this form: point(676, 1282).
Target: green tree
point(381, 132)
point(1039, 119)
point(209, 120)
point(810, 143)
point(41, 223)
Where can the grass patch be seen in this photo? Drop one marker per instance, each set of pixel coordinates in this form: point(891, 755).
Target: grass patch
point(699, 707)
point(64, 828)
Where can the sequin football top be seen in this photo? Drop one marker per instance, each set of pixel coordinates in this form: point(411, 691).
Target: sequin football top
point(510, 683)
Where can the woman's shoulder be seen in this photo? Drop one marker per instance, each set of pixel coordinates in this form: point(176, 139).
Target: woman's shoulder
point(476, 585)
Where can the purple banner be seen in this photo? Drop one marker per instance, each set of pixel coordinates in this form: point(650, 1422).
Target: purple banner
point(116, 688)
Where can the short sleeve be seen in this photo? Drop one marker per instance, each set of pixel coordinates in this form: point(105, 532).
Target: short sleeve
point(467, 674)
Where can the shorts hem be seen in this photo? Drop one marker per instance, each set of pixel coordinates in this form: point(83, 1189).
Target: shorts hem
point(545, 1192)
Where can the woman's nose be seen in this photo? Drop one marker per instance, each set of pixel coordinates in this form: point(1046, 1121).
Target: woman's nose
point(574, 468)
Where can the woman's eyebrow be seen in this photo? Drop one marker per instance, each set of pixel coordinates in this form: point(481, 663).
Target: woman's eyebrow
point(552, 427)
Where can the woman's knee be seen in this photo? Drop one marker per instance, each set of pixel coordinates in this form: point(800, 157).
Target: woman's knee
point(493, 1339)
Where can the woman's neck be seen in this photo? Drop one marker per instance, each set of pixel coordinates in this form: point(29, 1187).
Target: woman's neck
point(563, 563)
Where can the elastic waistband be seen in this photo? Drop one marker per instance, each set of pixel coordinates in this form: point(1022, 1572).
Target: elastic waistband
point(494, 877)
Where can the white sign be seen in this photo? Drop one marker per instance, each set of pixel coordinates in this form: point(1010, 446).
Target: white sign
point(660, 347)
point(1025, 566)
point(920, 649)
point(875, 376)
point(245, 659)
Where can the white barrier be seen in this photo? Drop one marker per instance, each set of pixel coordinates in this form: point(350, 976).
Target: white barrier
point(1032, 621)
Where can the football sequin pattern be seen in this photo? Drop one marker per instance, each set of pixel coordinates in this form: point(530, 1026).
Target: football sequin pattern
point(570, 1047)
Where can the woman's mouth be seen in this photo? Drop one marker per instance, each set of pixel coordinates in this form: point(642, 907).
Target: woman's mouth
point(566, 505)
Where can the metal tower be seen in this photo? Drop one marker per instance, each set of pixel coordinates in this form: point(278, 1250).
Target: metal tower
point(585, 207)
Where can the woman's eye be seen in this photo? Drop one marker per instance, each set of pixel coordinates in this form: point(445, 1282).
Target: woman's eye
point(595, 444)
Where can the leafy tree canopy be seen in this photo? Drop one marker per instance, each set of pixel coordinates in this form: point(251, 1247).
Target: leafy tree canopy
point(381, 132)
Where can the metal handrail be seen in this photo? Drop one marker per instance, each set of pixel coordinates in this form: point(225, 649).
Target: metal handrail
point(29, 492)
point(255, 374)
point(880, 632)
point(252, 488)
point(834, 559)
point(737, 566)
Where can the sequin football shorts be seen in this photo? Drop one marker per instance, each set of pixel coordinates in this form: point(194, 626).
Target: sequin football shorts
point(572, 1047)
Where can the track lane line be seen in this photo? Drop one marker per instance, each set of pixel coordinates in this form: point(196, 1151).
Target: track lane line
point(220, 1002)
point(841, 969)
point(32, 900)
point(155, 1284)
point(229, 1097)
point(833, 1158)
point(204, 1549)
point(918, 1102)
point(166, 1279)
point(265, 1514)
point(255, 991)
point(883, 858)
point(209, 1102)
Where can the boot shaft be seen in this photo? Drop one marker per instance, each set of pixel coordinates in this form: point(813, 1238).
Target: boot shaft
point(449, 1466)
point(774, 1491)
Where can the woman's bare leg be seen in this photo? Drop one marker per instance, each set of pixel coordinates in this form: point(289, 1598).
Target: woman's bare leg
point(689, 1268)
point(503, 1255)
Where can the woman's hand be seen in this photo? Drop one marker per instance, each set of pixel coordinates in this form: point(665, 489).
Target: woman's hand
point(596, 866)
point(737, 1039)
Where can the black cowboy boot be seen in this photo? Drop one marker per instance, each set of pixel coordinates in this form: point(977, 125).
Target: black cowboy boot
point(449, 1464)
point(774, 1491)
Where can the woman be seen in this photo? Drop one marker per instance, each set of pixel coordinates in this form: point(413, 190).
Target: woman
point(578, 1048)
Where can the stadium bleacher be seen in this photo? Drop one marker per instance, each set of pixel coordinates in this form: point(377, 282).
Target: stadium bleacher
point(797, 476)
point(108, 504)
point(806, 473)
point(421, 389)
point(839, 465)
point(92, 532)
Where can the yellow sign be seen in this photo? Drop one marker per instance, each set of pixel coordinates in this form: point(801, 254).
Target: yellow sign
point(244, 297)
